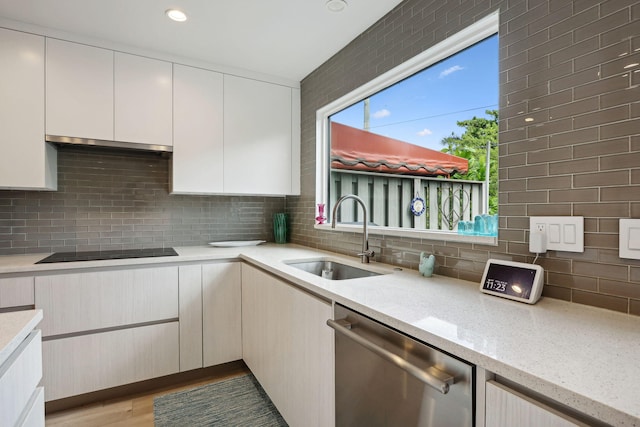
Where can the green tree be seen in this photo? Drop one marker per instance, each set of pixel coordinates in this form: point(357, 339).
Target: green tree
point(472, 145)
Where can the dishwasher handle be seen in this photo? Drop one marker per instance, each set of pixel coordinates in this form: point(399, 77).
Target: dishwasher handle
point(436, 378)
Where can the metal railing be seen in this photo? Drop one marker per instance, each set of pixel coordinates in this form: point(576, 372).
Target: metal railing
point(389, 197)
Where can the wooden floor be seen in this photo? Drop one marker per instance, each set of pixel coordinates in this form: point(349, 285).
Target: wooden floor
point(130, 411)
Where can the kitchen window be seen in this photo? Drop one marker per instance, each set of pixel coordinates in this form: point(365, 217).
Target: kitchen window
point(419, 144)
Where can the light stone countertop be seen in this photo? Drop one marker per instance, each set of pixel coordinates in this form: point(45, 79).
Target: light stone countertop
point(15, 326)
point(584, 357)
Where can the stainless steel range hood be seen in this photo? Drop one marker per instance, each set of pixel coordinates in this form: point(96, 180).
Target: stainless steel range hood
point(68, 140)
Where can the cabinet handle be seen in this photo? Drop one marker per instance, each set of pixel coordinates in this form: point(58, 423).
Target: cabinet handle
point(441, 384)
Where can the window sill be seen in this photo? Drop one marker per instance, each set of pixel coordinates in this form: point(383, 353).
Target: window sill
point(446, 236)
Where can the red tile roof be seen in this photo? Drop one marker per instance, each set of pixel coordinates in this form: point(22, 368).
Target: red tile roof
point(356, 149)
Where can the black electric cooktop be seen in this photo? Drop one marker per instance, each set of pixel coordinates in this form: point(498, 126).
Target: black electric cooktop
point(103, 255)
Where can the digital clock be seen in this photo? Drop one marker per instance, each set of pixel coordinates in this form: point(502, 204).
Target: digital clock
point(514, 280)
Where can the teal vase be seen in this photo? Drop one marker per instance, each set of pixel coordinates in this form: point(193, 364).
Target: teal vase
point(280, 227)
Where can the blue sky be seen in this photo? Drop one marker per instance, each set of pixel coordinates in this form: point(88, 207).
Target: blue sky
point(424, 108)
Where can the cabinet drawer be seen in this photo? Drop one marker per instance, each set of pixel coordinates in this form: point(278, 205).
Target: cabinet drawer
point(506, 407)
point(16, 291)
point(19, 377)
point(34, 413)
point(96, 300)
point(86, 363)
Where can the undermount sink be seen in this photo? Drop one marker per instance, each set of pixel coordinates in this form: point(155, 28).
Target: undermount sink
point(332, 270)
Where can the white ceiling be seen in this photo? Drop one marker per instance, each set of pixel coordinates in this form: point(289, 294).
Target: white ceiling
point(284, 38)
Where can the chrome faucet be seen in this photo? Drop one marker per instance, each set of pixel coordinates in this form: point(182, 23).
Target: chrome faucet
point(366, 253)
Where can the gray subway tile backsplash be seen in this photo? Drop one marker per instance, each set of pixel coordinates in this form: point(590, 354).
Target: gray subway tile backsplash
point(115, 200)
point(557, 60)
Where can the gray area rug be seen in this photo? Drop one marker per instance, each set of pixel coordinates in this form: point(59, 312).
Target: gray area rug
point(239, 401)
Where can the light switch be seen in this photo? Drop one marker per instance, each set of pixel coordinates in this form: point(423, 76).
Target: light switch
point(554, 233)
point(563, 233)
point(630, 238)
point(569, 231)
point(634, 238)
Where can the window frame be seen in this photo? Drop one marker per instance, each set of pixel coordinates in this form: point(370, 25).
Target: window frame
point(469, 36)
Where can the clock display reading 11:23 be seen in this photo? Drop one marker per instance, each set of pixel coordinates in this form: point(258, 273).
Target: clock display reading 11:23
point(518, 281)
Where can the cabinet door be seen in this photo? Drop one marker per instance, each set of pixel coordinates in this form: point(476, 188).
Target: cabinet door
point(289, 348)
point(27, 162)
point(222, 313)
point(295, 141)
point(78, 302)
point(86, 363)
point(197, 131)
point(190, 277)
point(143, 100)
point(507, 408)
point(257, 137)
point(79, 100)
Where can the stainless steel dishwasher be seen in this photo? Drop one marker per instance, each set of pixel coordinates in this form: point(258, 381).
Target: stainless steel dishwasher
point(385, 378)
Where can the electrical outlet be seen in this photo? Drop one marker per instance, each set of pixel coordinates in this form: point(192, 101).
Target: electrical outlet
point(562, 233)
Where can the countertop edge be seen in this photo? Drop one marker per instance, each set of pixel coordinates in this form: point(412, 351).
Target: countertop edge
point(15, 326)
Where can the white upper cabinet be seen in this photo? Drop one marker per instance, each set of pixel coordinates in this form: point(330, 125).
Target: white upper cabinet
point(229, 134)
point(96, 93)
point(143, 100)
point(79, 86)
point(234, 135)
point(197, 166)
point(27, 162)
point(295, 141)
point(258, 138)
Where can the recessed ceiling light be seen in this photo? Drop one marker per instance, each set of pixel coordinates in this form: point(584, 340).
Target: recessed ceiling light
point(336, 5)
point(176, 15)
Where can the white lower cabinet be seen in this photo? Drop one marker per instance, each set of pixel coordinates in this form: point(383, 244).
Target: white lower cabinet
point(91, 362)
point(16, 291)
point(221, 313)
point(80, 302)
point(289, 348)
point(20, 375)
point(190, 296)
point(210, 314)
point(506, 407)
point(103, 329)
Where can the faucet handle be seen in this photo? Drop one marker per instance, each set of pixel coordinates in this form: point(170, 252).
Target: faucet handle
point(368, 253)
